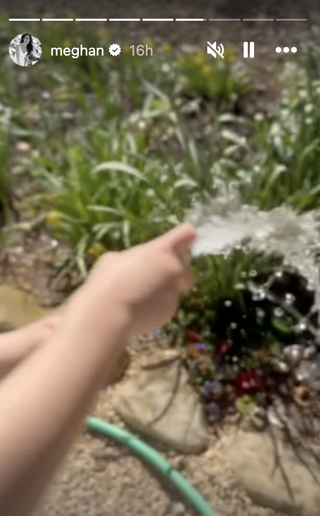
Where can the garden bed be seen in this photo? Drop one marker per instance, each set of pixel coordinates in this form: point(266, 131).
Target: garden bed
point(107, 154)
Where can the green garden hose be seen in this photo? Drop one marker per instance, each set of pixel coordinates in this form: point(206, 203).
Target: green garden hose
point(154, 458)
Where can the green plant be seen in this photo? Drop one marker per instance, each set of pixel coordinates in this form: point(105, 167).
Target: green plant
point(116, 159)
point(224, 81)
point(285, 153)
point(233, 326)
point(107, 194)
point(6, 195)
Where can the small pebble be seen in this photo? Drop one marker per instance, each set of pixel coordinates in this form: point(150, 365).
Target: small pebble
point(177, 509)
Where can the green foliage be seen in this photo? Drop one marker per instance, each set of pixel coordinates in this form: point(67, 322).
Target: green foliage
point(117, 159)
point(223, 80)
point(285, 153)
point(231, 301)
point(108, 193)
point(5, 186)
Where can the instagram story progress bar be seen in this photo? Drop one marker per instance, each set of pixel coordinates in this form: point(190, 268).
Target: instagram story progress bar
point(248, 49)
point(159, 19)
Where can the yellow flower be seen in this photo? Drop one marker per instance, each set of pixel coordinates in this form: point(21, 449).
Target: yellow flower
point(53, 219)
point(166, 48)
point(199, 58)
point(182, 60)
point(148, 42)
point(103, 33)
point(206, 70)
point(96, 250)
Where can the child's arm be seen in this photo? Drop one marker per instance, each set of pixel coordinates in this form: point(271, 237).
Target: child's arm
point(44, 401)
point(16, 345)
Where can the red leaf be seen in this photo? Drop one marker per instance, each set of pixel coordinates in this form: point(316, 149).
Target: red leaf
point(221, 347)
point(247, 382)
point(194, 337)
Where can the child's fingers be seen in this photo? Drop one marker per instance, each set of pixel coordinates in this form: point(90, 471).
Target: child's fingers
point(187, 281)
point(179, 239)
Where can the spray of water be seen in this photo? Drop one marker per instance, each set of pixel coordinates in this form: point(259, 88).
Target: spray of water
point(225, 223)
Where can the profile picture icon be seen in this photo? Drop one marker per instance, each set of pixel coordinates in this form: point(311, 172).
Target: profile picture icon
point(25, 49)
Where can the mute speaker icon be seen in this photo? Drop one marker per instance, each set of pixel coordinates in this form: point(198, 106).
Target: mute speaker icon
point(214, 49)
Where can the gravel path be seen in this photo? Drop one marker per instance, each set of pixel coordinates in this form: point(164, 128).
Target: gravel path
point(100, 478)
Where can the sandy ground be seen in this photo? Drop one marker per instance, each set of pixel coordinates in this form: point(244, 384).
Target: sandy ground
point(100, 478)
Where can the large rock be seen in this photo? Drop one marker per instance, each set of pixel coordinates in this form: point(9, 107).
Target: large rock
point(160, 403)
point(18, 308)
point(252, 457)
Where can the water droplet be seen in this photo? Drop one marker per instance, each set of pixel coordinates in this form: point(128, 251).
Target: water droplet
point(233, 325)
point(228, 302)
point(289, 299)
point(278, 312)
point(260, 313)
point(253, 273)
point(279, 274)
point(293, 353)
point(309, 352)
point(259, 295)
point(302, 326)
point(281, 366)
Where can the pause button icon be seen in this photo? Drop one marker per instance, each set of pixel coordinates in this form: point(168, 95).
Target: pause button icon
point(248, 49)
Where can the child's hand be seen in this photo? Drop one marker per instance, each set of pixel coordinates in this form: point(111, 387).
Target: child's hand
point(146, 280)
point(16, 345)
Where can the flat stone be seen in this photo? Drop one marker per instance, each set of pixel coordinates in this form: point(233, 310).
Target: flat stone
point(18, 308)
point(161, 404)
point(159, 358)
point(252, 456)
